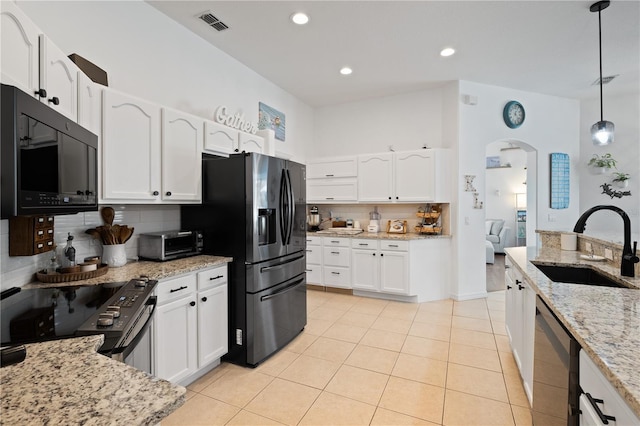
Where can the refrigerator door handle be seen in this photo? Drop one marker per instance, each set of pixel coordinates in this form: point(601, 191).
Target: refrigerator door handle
point(284, 226)
point(284, 290)
point(279, 265)
point(291, 208)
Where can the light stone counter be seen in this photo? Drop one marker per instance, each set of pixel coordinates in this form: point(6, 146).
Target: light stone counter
point(379, 235)
point(154, 270)
point(604, 320)
point(67, 382)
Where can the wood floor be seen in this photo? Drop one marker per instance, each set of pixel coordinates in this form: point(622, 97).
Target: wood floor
point(495, 274)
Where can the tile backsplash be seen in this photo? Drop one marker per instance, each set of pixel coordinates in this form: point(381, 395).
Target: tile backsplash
point(15, 271)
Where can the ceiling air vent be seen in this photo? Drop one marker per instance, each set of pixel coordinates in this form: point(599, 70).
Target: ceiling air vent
point(605, 80)
point(212, 21)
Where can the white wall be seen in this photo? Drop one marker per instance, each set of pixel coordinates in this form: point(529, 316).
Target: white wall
point(624, 112)
point(151, 56)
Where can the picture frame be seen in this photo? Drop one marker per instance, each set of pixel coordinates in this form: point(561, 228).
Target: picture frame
point(397, 226)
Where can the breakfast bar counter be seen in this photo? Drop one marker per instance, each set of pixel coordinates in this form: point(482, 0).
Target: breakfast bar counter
point(68, 382)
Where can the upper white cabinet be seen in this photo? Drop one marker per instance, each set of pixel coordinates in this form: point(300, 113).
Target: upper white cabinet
point(59, 78)
point(411, 176)
point(224, 140)
point(32, 63)
point(19, 49)
point(130, 148)
point(181, 156)
point(332, 180)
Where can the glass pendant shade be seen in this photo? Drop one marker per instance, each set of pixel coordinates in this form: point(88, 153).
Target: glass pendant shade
point(602, 133)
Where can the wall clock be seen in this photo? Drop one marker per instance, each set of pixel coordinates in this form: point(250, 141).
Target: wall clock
point(513, 114)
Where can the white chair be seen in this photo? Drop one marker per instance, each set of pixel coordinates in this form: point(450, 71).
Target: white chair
point(496, 233)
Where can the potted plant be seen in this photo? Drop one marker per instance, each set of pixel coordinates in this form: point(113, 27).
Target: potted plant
point(601, 163)
point(621, 179)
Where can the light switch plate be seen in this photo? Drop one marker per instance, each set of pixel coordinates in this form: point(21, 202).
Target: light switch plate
point(608, 253)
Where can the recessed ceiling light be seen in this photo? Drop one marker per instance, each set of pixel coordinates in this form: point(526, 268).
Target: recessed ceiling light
point(447, 51)
point(345, 70)
point(300, 18)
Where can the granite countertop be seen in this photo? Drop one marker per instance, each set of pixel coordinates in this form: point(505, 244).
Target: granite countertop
point(604, 320)
point(379, 235)
point(67, 382)
point(154, 270)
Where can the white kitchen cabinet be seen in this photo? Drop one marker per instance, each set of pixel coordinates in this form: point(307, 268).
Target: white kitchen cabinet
point(332, 180)
point(212, 315)
point(130, 149)
point(59, 77)
point(380, 266)
point(19, 51)
point(190, 326)
point(182, 136)
point(604, 397)
point(520, 305)
point(336, 262)
point(90, 114)
point(314, 260)
point(408, 176)
point(224, 140)
point(175, 329)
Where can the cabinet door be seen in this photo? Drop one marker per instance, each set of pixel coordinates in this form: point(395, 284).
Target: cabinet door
point(219, 139)
point(59, 77)
point(333, 167)
point(394, 272)
point(182, 139)
point(365, 269)
point(176, 339)
point(89, 104)
point(375, 177)
point(18, 49)
point(250, 143)
point(212, 324)
point(130, 148)
point(415, 176)
point(332, 190)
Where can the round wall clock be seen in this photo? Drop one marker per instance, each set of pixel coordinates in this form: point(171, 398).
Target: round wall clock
point(513, 114)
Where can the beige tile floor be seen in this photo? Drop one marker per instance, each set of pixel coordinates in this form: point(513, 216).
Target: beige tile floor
point(363, 361)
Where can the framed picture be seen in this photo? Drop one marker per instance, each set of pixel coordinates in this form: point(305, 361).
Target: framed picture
point(397, 226)
point(493, 162)
point(271, 118)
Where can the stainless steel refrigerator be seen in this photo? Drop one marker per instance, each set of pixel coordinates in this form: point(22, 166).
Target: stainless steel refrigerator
point(254, 211)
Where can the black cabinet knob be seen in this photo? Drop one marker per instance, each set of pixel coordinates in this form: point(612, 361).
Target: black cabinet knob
point(508, 287)
point(192, 303)
point(204, 299)
point(41, 92)
point(54, 100)
point(168, 194)
point(156, 193)
point(389, 197)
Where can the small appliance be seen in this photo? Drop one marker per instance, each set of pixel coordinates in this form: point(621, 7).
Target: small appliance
point(313, 220)
point(374, 221)
point(169, 245)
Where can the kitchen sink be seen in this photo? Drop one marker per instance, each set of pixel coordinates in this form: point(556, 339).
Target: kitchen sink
point(570, 274)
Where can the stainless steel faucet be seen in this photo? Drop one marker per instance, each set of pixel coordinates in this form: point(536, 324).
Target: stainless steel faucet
point(629, 257)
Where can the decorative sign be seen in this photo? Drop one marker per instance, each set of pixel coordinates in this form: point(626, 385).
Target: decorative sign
point(236, 121)
point(270, 118)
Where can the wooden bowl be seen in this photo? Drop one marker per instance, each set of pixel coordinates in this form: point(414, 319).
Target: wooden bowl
point(70, 270)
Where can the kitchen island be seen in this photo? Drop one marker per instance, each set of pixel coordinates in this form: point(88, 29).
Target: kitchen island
point(68, 382)
point(604, 320)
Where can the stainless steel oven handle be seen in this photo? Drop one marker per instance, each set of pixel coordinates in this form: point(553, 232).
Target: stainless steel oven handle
point(284, 290)
point(279, 265)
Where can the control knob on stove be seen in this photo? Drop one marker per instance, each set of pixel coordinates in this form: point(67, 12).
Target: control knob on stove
point(141, 282)
point(105, 319)
point(114, 310)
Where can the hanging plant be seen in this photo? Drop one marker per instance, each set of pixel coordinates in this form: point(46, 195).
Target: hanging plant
point(605, 161)
point(621, 179)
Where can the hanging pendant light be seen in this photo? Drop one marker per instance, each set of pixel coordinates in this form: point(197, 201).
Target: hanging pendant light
point(602, 131)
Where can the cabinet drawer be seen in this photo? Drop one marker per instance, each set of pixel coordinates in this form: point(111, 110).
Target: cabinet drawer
point(331, 189)
point(394, 245)
point(212, 277)
point(314, 274)
point(337, 277)
point(336, 256)
point(364, 244)
point(314, 254)
point(336, 242)
point(176, 288)
point(314, 241)
point(333, 167)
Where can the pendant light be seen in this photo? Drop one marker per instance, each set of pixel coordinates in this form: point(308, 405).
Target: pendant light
point(602, 131)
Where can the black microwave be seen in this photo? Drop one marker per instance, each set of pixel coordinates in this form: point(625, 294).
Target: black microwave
point(49, 163)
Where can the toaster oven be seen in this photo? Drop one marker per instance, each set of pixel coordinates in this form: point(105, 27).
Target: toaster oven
point(169, 245)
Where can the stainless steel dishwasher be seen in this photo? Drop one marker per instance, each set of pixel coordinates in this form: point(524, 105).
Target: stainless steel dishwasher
point(555, 371)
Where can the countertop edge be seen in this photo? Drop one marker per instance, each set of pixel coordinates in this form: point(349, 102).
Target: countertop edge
point(409, 236)
point(522, 257)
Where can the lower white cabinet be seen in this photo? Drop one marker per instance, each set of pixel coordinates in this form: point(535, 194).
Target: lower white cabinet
point(598, 394)
point(380, 265)
point(314, 260)
point(520, 305)
point(336, 262)
point(190, 325)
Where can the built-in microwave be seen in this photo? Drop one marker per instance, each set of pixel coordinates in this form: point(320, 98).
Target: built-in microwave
point(49, 162)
